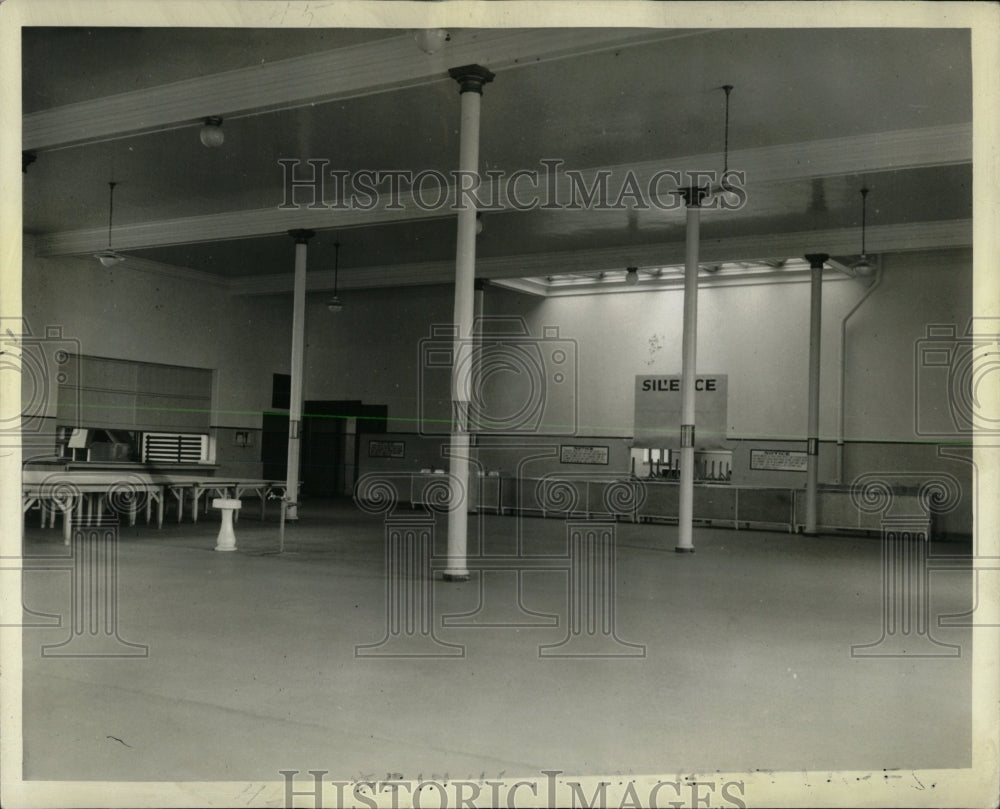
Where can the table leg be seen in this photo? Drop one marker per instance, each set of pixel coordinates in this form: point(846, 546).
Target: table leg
point(67, 511)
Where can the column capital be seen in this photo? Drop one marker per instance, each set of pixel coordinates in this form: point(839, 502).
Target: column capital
point(471, 78)
point(301, 235)
point(816, 260)
point(693, 195)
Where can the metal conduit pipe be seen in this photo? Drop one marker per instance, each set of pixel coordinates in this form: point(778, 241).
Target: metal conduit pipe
point(842, 395)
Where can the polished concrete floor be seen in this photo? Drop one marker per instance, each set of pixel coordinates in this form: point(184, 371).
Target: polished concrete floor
point(734, 658)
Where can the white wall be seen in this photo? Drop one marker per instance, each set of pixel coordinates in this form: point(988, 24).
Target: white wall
point(759, 337)
point(126, 314)
point(917, 290)
point(370, 351)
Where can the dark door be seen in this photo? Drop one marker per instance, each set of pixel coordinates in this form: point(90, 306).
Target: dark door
point(274, 446)
point(324, 429)
point(325, 465)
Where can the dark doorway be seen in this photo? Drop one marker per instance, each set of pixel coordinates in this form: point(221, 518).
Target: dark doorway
point(330, 446)
point(329, 452)
point(274, 446)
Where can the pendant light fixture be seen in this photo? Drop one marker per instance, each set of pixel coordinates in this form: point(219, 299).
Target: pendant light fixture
point(431, 40)
point(722, 184)
point(334, 304)
point(109, 257)
point(863, 266)
point(211, 134)
point(728, 88)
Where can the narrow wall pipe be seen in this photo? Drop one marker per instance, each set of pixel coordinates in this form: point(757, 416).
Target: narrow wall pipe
point(816, 261)
point(842, 397)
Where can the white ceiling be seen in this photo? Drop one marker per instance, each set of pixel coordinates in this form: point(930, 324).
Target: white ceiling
point(815, 114)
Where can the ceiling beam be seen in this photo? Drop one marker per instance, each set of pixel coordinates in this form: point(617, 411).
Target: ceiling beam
point(359, 70)
point(856, 154)
point(882, 239)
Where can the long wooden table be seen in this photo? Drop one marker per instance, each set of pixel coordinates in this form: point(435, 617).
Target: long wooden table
point(86, 494)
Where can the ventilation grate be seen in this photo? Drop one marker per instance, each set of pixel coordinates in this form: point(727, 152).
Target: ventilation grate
point(174, 447)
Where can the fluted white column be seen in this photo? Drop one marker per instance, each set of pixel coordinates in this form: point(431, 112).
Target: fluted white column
point(471, 79)
point(302, 238)
point(689, 345)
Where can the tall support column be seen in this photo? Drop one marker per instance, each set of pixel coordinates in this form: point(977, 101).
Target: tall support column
point(302, 238)
point(816, 261)
point(471, 79)
point(689, 347)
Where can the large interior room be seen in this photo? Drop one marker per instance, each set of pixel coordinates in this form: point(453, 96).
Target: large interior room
point(447, 408)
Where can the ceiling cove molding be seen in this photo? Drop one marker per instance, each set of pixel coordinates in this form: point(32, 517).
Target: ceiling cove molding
point(948, 144)
point(836, 156)
point(883, 239)
point(617, 286)
point(172, 271)
point(374, 67)
point(229, 225)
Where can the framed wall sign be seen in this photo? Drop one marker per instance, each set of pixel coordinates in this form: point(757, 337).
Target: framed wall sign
point(589, 455)
point(386, 449)
point(778, 460)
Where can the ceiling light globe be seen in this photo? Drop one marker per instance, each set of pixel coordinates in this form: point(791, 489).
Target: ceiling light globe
point(863, 267)
point(632, 276)
point(211, 133)
point(431, 40)
point(108, 258)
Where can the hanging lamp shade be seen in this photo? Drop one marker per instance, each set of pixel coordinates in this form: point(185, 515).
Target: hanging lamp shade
point(863, 266)
point(335, 304)
point(109, 257)
point(722, 183)
point(211, 134)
